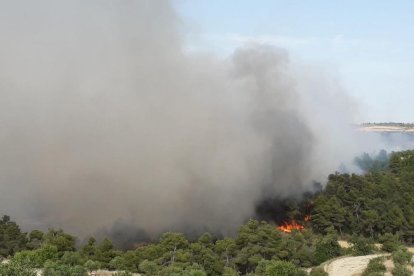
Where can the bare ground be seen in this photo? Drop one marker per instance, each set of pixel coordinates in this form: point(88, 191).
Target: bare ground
point(349, 266)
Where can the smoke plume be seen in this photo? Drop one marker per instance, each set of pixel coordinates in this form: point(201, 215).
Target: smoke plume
point(106, 117)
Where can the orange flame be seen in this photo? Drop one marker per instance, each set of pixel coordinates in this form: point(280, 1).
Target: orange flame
point(288, 227)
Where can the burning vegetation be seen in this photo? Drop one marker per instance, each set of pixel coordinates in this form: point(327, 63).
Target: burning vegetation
point(288, 214)
point(288, 227)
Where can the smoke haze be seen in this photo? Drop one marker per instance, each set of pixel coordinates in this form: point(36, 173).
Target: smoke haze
point(105, 117)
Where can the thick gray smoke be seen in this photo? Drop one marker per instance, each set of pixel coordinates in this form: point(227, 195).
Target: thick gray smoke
point(104, 116)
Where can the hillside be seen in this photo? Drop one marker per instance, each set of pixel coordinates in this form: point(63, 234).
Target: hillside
point(363, 209)
point(379, 202)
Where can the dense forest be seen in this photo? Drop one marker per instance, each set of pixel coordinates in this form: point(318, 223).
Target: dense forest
point(377, 206)
point(378, 202)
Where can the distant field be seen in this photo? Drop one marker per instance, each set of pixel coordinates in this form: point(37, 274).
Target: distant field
point(387, 127)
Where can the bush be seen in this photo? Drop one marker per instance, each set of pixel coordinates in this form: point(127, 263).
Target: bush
point(77, 271)
point(318, 271)
point(14, 269)
point(123, 273)
point(27, 258)
point(36, 258)
point(327, 249)
point(390, 242)
point(401, 270)
point(401, 256)
point(148, 267)
point(362, 246)
point(118, 263)
point(374, 274)
point(375, 267)
point(228, 271)
point(174, 269)
point(195, 272)
point(57, 269)
point(71, 258)
point(91, 265)
point(279, 268)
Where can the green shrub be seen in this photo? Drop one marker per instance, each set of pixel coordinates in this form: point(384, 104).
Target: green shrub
point(195, 272)
point(149, 267)
point(401, 270)
point(91, 265)
point(401, 256)
point(375, 266)
point(279, 268)
point(36, 258)
point(27, 258)
point(327, 249)
point(77, 270)
point(71, 258)
point(362, 246)
point(14, 269)
point(374, 274)
point(318, 271)
point(228, 271)
point(118, 263)
point(123, 273)
point(58, 269)
point(390, 242)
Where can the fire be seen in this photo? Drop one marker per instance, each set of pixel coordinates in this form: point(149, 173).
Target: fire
point(307, 218)
point(288, 227)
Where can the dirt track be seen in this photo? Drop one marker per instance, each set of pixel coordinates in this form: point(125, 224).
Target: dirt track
point(349, 266)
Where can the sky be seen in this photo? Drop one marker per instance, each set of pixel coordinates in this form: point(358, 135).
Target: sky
point(368, 46)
